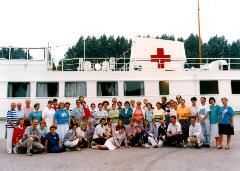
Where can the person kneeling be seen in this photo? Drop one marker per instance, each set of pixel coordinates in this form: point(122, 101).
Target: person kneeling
point(52, 142)
point(70, 140)
point(174, 136)
point(195, 133)
point(115, 141)
point(32, 139)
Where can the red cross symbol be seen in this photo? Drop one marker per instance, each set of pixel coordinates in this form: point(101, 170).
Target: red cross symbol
point(160, 58)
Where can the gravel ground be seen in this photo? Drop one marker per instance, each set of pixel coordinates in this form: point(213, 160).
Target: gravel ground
point(138, 159)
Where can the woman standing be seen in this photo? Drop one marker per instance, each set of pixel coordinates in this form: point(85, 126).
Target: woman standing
point(214, 119)
point(138, 114)
point(48, 115)
point(226, 126)
point(62, 121)
point(126, 114)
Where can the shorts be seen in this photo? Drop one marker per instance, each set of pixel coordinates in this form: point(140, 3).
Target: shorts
point(226, 129)
point(109, 145)
point(214, 130)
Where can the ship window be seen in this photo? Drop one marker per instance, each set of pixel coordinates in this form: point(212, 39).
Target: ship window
point(133, 88)
point(47, 89)
point(235, 86)
point(75, 89)
point(18, 89)
point(164, 87)
point(209, 87)
point(107, 89)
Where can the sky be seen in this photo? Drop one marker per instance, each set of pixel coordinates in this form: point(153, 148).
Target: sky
point(34, 23)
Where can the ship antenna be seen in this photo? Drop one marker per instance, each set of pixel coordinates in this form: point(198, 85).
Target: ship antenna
point(199, 36)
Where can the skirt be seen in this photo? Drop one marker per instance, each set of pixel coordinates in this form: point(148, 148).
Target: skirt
point(214, 130)
point(226, 129)
point(109, 145)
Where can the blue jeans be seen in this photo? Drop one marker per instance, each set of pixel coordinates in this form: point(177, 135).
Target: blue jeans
point(206, 131)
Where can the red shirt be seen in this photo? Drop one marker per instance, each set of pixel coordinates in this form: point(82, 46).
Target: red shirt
point(87, 113)
point(18, 134)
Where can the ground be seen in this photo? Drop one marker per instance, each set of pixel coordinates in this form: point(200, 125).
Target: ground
point(138, 159)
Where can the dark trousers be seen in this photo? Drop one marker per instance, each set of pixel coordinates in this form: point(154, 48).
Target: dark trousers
point(185, 129)
point(99, 141)
point(174, 140)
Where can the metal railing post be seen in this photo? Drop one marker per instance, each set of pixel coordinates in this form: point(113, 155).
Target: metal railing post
point(62, 65)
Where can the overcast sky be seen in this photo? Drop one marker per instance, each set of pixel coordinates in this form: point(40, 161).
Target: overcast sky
point(34, 23)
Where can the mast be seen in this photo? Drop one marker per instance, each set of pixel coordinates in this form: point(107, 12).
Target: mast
point(199, 36)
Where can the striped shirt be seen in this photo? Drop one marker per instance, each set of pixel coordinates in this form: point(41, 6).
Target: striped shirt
point(12, 115)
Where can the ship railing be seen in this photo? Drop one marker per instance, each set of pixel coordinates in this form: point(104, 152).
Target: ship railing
point(144, 64)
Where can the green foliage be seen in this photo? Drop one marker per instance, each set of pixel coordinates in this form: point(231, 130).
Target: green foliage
point(16, 53)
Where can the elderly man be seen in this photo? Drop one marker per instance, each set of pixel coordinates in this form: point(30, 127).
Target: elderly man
point(27, 110)
point(32, 139)
point(20, 112)
point(12, 119)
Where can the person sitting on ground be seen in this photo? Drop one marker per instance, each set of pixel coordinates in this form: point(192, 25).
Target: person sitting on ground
point(119, 124)
point(52, 141)
point(43, 131)
point(131, 130)
point(174, 133)
point(195, 133)
point(162, 133)
point(82, 135)
point(148, 136)
point(71, 141)
point(100, 136)
point(109, 127)
point(90, 131)
point(18, 134)
point(115, 141)
point(137, 139)
point(32, 139)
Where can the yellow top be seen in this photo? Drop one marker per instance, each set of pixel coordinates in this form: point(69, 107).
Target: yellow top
point(183, 112)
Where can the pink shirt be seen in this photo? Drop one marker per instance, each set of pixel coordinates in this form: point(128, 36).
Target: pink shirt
point(27, 111)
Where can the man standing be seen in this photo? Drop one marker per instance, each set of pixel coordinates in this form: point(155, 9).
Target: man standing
point(32, 139)
point(27, 110)
point(204, 110)
point(12, 119)
point(77, 112)
point(20, 112)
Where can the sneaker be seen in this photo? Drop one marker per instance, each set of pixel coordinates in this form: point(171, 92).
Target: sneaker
point(94, 147)
point(67, 149)
point(29, 153)
point(207, 146)
point(77, 148)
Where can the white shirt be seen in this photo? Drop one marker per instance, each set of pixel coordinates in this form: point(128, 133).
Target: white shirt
point(80, 132)
point(194, 130)
point(194, 110)
point(173, 112)
point(48, 114)
point(174, 128)
point(99, 130)
point(203, 109)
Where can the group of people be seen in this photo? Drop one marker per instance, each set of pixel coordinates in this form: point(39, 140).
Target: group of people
point(59, 128)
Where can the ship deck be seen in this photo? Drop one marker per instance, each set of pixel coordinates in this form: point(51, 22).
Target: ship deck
point(139, 159)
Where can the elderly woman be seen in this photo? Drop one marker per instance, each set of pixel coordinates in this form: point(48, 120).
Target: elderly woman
point(226, 126)
point(126, 114)
point(138, 114)
point(62, 120)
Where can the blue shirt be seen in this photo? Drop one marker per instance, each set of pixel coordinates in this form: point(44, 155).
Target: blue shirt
point(214, 114)
point(53, 140)
point(78, 112)
point(225, 115)
point(20, 113)
point(62, 116)
point(12, 115)
point(149, 115)
point(36, 115)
